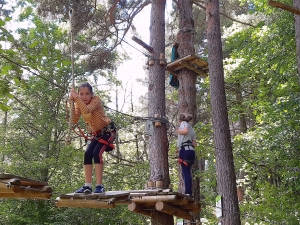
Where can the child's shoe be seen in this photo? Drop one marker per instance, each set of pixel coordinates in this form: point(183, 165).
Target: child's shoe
point(99, 189)
point(84, 189)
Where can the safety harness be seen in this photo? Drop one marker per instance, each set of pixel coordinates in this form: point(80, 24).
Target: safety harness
point(185, 161)
point(92, 135)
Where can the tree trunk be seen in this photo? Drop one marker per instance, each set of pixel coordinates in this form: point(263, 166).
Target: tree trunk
point(226, 179)
point(158, 143)
point(242, 114)
point(187, 81)
point(297, 34)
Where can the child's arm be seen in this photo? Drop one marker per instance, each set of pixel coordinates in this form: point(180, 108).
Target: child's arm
point(183, 131)
point(85, 109)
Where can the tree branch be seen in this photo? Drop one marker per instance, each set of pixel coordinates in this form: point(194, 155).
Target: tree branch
point(284, 7)
point(198, 3)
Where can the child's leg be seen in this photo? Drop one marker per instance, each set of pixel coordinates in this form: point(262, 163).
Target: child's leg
point(187, 177)
point(99, 172)
point(88, 169)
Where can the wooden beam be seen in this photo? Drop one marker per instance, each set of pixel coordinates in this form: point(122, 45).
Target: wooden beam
point(284, 7)
point(192, 205)
point(24, 181)
point(180, 201)
point(26, 196)
point(29, 192)
point(82, 203)
point(143, 44)
point(134, 207)
point(153, 199)
point(171, 210)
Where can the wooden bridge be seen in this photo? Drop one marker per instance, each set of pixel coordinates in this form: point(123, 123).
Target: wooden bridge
point(139, 201)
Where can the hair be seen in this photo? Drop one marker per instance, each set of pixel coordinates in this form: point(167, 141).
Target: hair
point(185, 117)
point(86, 84)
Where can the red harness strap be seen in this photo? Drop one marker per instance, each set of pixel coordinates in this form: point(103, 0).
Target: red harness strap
point(106, 143)
point(182, 161)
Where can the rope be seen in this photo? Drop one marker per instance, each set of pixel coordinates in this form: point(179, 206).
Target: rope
point(69, 138)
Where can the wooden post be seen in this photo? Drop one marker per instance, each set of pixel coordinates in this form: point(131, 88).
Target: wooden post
point(157, 123)
point(138, 209)
point(143, 44)
point(158, 184)
point(151, 60)
point(163, 207)
point(150, 184)
point(162, 60)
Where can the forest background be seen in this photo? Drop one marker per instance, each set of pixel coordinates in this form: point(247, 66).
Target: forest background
point(262, 90)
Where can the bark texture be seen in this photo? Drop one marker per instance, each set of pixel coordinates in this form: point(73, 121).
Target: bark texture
point(297, 34)
point(187, 81)
point(158, 142)
point(226, 178)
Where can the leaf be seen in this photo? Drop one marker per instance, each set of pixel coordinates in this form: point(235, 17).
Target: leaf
point(34, 44)
point(2, 23)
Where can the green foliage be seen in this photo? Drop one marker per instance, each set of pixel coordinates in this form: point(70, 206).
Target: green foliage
point(261, 65)
point(33, 143)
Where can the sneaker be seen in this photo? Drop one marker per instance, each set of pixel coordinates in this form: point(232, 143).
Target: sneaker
point(189, 195)
point(99, 189)
point(84, 189)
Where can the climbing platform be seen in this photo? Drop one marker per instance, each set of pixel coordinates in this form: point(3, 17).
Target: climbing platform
point(140, 201)
point(146, 202)
point(12, 186)
point(191, 62)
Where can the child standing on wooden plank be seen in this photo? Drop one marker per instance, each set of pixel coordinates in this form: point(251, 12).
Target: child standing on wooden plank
point(102, 128)
point(186, 143)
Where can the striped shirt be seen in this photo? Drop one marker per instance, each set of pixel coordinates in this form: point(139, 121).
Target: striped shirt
point(93, 114)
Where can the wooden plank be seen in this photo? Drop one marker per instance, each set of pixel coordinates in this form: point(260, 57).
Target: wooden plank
point(29, 192)
point(191, 62)
point(171, 210)
point(24, 181)
point(146, 191)
point(81, 203)
point(134, 207)
point(26, 196)
point(105, 195)
point(193, 68)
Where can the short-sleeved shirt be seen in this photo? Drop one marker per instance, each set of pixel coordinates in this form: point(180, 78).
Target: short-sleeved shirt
point(185, 137)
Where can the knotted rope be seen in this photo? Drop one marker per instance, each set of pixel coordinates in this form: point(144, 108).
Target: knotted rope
point(71, 15)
